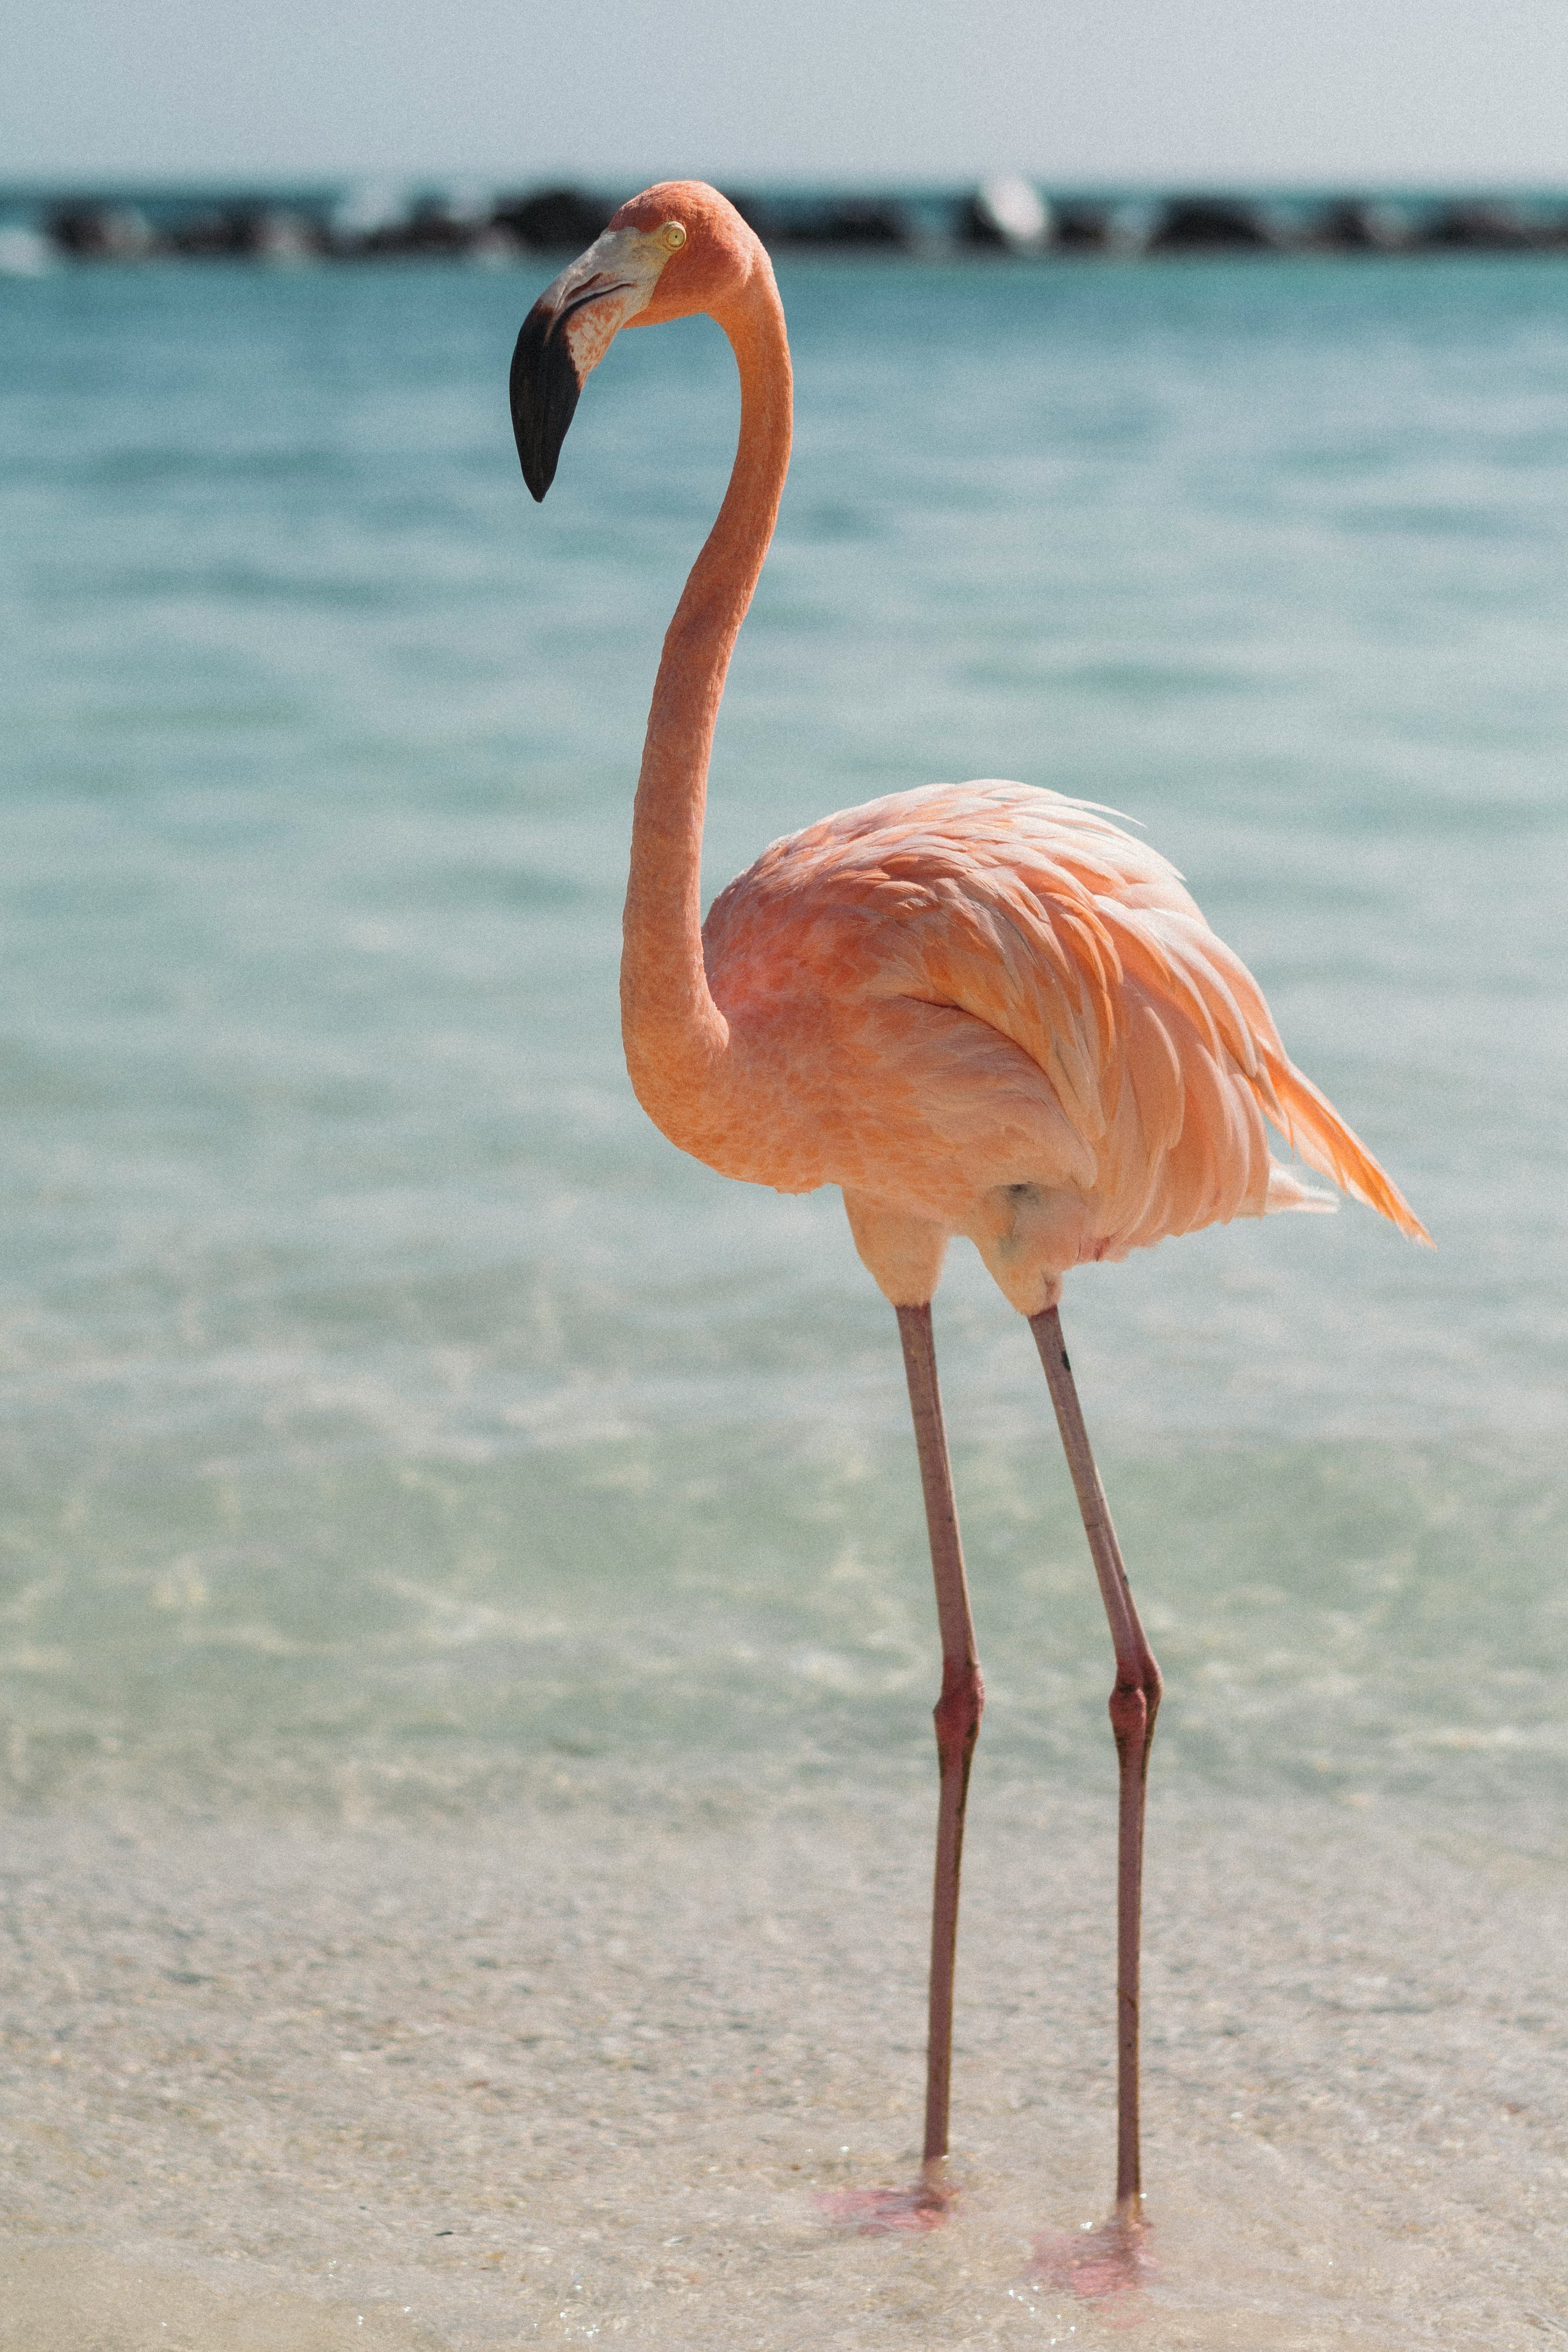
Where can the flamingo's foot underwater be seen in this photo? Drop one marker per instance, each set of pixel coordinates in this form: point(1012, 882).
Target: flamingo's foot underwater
point(879, 2212)
point(1099, 2264)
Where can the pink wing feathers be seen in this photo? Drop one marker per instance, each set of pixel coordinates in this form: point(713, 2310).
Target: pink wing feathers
point(1037, 916)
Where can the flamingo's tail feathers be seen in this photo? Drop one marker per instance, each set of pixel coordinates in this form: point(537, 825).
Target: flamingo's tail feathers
point(1309, 1121)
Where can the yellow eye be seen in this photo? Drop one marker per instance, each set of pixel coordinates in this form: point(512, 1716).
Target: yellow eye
point(672, 236)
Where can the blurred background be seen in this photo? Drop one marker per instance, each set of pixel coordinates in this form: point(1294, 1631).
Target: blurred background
point(293, 131)
point(375, 1374)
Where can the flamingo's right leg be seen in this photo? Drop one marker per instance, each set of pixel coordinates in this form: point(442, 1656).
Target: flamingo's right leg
point(957, 1711)
point(1135, 1704)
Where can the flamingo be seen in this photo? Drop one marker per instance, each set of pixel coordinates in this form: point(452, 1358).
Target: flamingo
point(979, 1009)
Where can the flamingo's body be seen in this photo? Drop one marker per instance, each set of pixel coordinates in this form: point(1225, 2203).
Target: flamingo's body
point(981, 1009)
point(986, 1010)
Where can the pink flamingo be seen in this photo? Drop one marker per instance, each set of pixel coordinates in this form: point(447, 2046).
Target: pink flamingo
point(979, 1009)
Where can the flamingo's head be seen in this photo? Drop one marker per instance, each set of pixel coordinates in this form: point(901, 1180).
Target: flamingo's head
point(677, 248)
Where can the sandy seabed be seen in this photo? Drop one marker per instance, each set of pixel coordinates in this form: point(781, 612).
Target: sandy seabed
point(590, 2071)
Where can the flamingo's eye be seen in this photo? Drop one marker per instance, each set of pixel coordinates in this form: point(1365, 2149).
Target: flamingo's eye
point(672, 236)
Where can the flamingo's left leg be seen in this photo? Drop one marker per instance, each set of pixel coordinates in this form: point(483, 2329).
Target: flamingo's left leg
point(1134, 1702)
point(957, 1711)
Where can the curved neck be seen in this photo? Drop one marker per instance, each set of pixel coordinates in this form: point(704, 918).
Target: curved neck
point(674, 1032)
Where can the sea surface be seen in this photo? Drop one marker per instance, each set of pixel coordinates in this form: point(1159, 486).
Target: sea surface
point(408, 1455)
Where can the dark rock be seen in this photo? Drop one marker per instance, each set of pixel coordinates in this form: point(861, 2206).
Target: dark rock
point(1480, 228)
point(857, 223)
point(246, 232)
point(90, 232)
point(1081, 228)
point(758, 213)
point(1208, 225)
point(555, 220)
point(429, 232)
point(849, 223)
point(211, 235)
point(1354, 226)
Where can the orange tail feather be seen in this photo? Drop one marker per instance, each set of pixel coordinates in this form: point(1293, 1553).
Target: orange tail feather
point(1311, 1124)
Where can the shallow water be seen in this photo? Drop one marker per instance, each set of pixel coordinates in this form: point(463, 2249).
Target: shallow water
point(397, 1430)
point(605, 2065)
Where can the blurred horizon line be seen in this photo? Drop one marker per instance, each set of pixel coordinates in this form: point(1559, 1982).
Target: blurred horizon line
point(497, 222)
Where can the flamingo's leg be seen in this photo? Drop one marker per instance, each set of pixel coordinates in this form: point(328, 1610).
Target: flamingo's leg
point(1135, 1704)
point(957, 1711)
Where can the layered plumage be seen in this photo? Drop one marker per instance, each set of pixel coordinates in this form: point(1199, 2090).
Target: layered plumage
point(988, 1008)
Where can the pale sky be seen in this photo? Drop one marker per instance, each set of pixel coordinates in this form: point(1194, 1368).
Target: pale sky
point(1347, 91)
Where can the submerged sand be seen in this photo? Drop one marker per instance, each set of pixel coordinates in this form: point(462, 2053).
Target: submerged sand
point(585, 2070)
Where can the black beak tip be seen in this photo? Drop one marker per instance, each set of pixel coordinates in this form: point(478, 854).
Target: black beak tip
point(544, 389)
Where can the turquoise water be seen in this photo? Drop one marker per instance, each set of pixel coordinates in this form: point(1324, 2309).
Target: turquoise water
point(383, 1394)
point(485, 1530)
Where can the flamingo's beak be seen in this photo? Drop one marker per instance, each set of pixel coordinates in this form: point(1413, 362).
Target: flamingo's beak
point(567, 333)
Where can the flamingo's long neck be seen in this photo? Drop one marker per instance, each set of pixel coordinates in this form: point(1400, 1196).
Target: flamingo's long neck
point(675, 1038)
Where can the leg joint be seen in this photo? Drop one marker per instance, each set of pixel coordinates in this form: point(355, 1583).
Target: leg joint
point(1129, 1715)
point(959, 1710)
